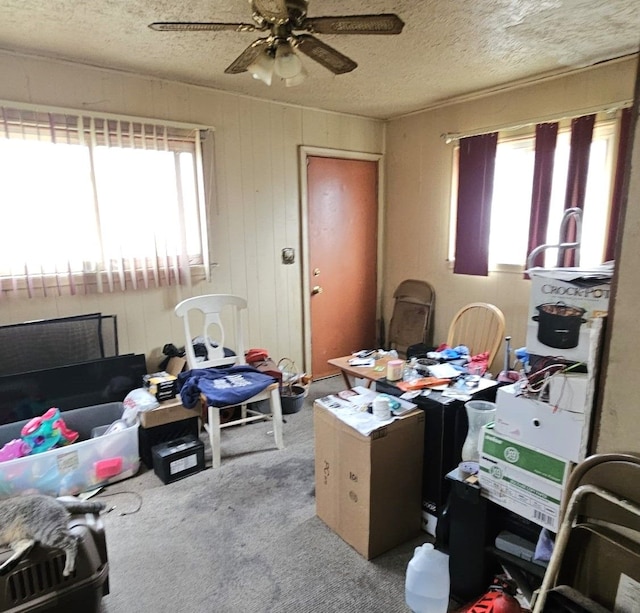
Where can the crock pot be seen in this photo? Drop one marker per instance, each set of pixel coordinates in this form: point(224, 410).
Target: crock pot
point(559, 324)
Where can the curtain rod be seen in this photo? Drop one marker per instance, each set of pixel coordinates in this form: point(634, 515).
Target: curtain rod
point(450, 137)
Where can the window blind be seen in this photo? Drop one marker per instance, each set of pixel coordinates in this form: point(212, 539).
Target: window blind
point(102, 202)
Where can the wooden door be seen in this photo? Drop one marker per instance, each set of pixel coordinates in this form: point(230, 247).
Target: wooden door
point(343, 236)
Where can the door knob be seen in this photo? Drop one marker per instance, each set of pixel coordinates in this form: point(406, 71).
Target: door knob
point(316, 290)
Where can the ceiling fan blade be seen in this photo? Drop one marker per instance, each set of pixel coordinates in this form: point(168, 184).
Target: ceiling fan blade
point(355, 24)
point(241, 63)
point(208, 26)
point(324, 54)
point(274, 11)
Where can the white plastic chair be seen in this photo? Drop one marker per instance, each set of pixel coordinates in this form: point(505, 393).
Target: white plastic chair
point(211, 307)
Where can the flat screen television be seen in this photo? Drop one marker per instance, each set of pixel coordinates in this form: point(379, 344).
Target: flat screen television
point(29, 394)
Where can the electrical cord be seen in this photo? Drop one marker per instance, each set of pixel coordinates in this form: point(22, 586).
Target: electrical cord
point(113, 507)
point(537, 382)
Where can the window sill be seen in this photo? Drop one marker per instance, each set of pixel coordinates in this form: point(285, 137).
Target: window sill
point(507, 268)
point(516, 269)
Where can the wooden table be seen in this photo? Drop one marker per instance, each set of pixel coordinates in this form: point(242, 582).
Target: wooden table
point(371, 373)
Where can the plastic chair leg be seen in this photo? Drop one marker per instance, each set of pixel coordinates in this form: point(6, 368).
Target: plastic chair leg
point(276, 411)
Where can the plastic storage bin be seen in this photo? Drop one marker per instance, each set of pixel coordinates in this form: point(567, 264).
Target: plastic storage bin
point(83, 465)
point(37, 583)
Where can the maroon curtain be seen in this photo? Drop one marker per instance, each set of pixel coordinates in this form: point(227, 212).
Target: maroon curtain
point(618, 184)
point(475, 190)
point(581, 134)
point(546, 137)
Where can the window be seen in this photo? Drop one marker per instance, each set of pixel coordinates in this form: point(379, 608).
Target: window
point(512, 198)
point(511, 201)
point(99, 201)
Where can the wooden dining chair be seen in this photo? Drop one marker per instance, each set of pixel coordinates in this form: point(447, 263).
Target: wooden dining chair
point(480, 327)
point(210, 308)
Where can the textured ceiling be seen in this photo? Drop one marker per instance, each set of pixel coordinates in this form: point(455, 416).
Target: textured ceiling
point(448, 48)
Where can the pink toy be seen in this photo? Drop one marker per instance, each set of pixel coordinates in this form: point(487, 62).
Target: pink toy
point(16, 448)
point(45, 432)
point(110, 467)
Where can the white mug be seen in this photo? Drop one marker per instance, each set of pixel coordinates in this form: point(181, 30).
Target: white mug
point(381, 408)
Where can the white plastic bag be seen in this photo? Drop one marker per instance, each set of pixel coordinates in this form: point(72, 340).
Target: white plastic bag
point(137, 400)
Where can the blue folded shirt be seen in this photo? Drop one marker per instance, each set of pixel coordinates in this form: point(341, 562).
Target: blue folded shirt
point(222, 386)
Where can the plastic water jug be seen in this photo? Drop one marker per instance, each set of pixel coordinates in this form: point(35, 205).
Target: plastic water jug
point(427, 581)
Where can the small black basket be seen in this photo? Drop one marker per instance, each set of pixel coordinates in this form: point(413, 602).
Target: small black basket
point(292, 390)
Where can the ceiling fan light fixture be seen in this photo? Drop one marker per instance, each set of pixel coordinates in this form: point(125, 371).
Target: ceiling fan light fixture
point(279, 50)
point(300, 78)
point(262, 68)
point(287, 63)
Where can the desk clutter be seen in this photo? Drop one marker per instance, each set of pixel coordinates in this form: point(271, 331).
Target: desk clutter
point(444, 368)
point(537, 442)
point(539, 412)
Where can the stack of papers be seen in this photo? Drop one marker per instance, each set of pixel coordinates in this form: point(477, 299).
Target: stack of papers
point(444, 371)
point(362, 362)
point(353, 409)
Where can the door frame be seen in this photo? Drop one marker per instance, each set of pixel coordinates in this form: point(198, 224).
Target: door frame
point(305, 152)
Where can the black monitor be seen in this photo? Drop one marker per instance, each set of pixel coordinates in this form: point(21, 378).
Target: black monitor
point(30, 394)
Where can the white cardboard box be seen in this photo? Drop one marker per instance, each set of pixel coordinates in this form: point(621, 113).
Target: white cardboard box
point(560, 426)
point(562, 333)
point(523, 479)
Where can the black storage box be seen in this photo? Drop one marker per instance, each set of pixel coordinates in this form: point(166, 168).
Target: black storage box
point(178, 458)
point(149, 437)
point(37, 583)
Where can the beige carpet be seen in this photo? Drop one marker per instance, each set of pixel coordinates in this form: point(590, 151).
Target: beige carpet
point(243, 538)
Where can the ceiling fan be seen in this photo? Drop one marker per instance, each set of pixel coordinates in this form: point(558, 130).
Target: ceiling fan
point(276, 52)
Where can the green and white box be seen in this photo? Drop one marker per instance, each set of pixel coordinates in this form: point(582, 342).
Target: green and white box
point(523, 479)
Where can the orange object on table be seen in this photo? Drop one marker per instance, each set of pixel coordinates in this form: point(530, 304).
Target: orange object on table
point(421, 383)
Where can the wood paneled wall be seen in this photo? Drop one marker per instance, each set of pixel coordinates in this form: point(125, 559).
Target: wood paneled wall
point(256, 211)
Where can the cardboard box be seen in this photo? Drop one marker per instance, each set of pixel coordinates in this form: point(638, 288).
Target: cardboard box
point(528, 481)
point(177, 459)
point(561, 314)
point(168, 412)
point(572, 393)
point(176, 365)
point(560, 426)
point(368, 488)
